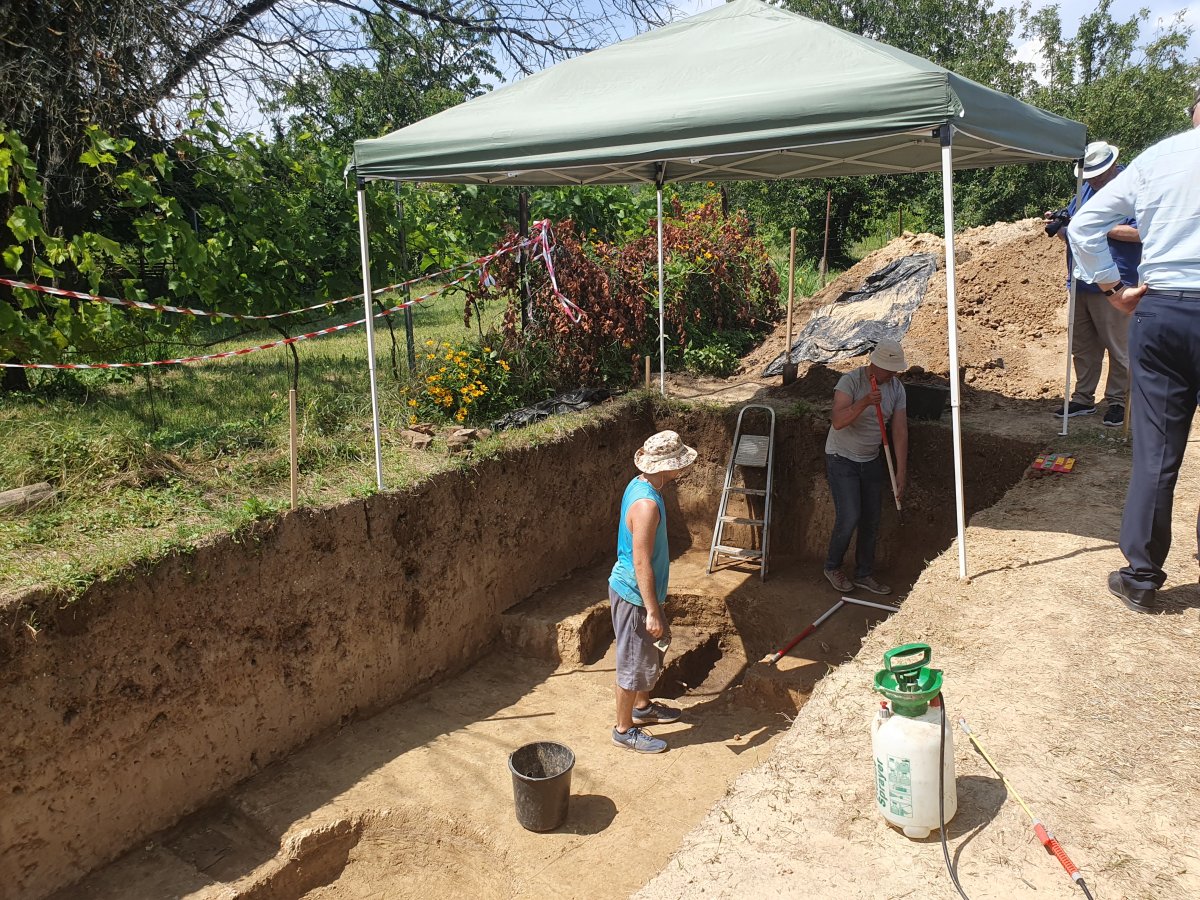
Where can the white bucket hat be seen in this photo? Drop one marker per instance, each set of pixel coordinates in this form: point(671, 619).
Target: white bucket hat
point(889, 355)
point(1098, 158)
point(664, 452)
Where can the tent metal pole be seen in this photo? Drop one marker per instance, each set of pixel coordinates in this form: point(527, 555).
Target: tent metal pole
point(662, 334)
point(946, 133)
point(369, 312)
point(1071, 290)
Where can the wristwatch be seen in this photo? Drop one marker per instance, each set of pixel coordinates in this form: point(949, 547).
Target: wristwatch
point(1119, 286)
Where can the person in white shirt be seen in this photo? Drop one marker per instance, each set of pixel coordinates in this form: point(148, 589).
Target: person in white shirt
point(854, 463)
point(1161, 189)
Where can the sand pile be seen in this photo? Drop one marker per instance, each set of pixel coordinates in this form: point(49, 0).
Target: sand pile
point(1012, 308)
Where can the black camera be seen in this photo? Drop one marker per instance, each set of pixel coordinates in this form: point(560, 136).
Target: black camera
point(1056, 221)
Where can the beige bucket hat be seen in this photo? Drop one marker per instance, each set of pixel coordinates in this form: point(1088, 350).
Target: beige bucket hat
point(889, 355)
point(664, 452)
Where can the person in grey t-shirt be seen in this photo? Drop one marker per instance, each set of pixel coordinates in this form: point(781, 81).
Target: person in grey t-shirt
point(855, 466)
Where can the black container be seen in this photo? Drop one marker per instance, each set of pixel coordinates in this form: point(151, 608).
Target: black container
point(541, 774)
point(926, 401)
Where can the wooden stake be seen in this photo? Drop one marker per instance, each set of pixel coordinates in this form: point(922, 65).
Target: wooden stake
point(789, 368)
point(825, 251)
point(791, 285)
point(647, 371)
point(292, 445)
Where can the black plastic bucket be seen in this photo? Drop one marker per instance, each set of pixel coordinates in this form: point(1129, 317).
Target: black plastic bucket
point(541, 774)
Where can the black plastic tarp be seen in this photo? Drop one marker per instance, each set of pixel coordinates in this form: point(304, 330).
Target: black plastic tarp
point(571, 401)
point(881, 309)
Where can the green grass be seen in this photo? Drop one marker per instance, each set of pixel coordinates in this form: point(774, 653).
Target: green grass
point(155, 461)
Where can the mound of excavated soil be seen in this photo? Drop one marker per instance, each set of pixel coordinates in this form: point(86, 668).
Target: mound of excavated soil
point(1011, 299)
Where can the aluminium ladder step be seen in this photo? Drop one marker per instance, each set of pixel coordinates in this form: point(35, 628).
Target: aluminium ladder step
point(742, 490)
point(752, 451)
point(739, 552)
point(741, 520)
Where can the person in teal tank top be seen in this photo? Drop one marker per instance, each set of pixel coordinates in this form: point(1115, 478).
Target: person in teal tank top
point(637, 590)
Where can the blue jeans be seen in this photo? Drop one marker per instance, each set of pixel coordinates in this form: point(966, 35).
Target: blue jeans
point(1164, 358)
point(857, 494)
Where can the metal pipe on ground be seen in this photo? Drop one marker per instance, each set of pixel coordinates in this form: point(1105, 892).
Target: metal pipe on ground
point(783, 651)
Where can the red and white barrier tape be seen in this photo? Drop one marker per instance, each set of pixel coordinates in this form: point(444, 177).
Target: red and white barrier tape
point(536, 238)
point(242, 351)
point(543, 240)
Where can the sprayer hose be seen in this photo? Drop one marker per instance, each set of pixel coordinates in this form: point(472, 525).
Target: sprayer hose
point(950, 867)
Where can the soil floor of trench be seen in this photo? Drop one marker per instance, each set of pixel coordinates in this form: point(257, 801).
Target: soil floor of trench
point(430, 808)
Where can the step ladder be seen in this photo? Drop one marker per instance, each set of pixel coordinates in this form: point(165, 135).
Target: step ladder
point(750, 451)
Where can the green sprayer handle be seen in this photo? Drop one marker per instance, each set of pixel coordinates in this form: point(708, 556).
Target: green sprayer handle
point(907, 650)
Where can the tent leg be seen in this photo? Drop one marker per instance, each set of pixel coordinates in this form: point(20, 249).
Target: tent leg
point(952, 331)
point(662, 334)
point(369, 312)
point(1071, 311)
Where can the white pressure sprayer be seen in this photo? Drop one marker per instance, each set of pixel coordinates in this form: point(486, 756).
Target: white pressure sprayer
point(907, 736)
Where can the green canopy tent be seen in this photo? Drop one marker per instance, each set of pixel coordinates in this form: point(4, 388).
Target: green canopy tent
point(741, 92)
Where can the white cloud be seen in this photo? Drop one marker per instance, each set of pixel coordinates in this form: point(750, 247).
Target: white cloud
point(1032, 52)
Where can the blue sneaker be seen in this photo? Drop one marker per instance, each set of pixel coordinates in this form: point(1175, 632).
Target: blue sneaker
point(655, 714)
point(639, 741)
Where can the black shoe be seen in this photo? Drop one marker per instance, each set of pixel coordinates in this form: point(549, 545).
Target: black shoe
point(1079, 409)
point(1114, 416)
point(1137, 599)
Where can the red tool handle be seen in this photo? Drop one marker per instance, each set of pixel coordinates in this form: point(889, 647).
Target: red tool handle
point(794, 641)
point(1053, 846)
point(779, 654)
point(879, 413)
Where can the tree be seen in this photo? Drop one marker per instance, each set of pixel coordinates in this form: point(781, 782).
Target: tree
point(1129, 94)
point(118, 65)
point(129, 67)
point(415, 71)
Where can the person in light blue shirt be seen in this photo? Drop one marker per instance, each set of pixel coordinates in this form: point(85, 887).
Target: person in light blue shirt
point(1161, 189)
point(637, 591)
point(1100, 326)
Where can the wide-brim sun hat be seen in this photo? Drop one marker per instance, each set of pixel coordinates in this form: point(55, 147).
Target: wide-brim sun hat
point(889, 355)
point(663, 452)
point(1098, 158)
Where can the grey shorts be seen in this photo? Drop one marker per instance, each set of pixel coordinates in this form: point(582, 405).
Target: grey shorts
point(639, 662)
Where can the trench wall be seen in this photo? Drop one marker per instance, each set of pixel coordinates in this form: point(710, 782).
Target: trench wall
point(153, 694)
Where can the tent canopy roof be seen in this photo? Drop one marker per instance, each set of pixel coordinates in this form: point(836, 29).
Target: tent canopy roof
point(743, 91)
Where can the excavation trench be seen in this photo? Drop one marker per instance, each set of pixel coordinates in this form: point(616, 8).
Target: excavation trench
point(323, 708)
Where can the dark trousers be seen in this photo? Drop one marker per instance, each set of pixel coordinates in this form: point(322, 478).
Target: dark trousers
point(1164, 358)
point(857, 493)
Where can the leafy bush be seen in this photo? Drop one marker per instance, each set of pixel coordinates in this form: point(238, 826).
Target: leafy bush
point(718, 279)
point(713, 359)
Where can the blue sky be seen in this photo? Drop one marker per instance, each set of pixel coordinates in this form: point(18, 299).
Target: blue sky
point(1070, 11)
point(247, 116)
